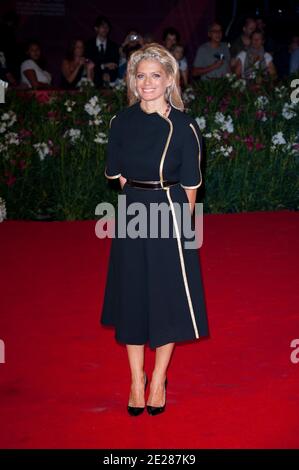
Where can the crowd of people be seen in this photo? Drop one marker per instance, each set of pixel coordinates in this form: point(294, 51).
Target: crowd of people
point(102, 62)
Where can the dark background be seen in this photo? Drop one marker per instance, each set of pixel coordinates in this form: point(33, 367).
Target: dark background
point(62, 20)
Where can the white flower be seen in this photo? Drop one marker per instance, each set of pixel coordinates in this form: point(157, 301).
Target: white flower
point(69, 105)
point(230, 76)
point(3, 213)
point(84, 82)
point(208, 135)
point(261, 102)
point(216, 135)
point(73, 134)
point(42, 149)
point(118, 84)
point(219, 117)
point(188, 94)
point(92, 107)
point(2, 128)
point(278, 139)
point(201, 122)
point(226, 123)
point(288, 110)
point(8, 119)
point(226, 151)
point(4, 117)
point(101, 138)
point(241, 84)
point(280, 91)
point(12, 138)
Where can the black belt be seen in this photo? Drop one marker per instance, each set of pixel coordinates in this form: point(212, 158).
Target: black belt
point(150, 184)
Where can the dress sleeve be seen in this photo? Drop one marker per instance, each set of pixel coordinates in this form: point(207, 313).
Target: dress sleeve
point(190, 172)
point(112, 169)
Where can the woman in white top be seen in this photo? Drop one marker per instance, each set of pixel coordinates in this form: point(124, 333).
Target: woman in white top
point(32, 74)
point(255, 59)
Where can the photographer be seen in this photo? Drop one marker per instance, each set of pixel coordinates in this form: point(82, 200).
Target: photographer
point(213, 57)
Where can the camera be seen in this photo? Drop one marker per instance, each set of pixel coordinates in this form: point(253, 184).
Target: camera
point(133, 37)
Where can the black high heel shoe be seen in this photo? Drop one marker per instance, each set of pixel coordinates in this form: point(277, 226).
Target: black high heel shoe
point(137, 410)
point(155, 410)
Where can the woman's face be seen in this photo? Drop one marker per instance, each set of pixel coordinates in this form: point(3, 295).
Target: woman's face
point(151, 79)
point(34, 52)
point(79, 49)
point(257, 41)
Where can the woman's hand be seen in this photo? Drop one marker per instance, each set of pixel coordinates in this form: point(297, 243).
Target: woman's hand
point(122, 181)
point(191, 195)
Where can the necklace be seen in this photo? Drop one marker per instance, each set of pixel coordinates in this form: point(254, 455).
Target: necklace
point(167, 109)
point(165, 112)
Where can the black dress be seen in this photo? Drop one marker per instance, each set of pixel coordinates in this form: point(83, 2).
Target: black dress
point(154, 290)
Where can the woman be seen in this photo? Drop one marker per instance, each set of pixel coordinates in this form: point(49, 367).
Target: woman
point(255, 59)
point(32, 73)
point(75, 66)
point(153, 290)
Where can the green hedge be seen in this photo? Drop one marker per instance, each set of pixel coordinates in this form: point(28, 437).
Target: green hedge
point(52, 149)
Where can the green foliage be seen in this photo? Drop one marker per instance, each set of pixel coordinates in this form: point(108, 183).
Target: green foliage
point(52, 149)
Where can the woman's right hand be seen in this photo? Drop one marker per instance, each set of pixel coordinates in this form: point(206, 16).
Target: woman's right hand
point(122, 181)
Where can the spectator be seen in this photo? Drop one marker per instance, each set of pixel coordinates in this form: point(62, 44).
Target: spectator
point(32, 73)
point(171, 36)
point(243, 41)
point(132, 42)
point(177, 51)
point(75, 66)
point(255, 59)
point(104, 53)
point(213, 57)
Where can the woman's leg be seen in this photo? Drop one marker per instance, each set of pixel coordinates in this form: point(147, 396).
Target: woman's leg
point(136, 361)
point(163, 356)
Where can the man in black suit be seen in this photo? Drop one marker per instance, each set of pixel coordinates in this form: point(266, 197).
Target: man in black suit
point(104, 53)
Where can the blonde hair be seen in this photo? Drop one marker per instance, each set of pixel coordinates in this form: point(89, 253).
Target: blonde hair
point(155, 51)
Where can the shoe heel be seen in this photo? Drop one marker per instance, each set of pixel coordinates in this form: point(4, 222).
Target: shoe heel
point(137, 410)
point(155, 410)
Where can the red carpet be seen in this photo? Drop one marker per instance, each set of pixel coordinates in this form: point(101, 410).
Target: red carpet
point(65, 382)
